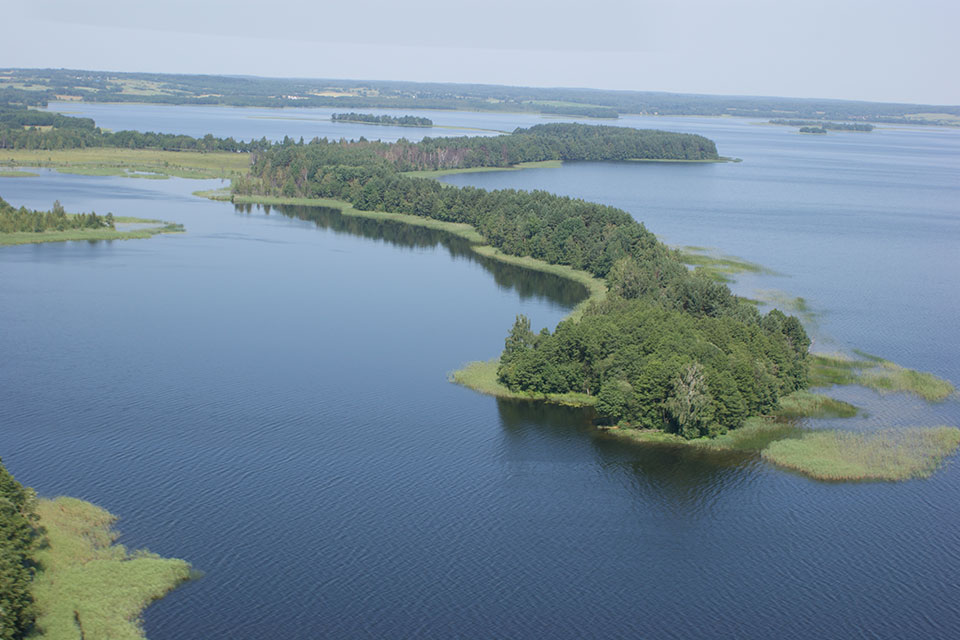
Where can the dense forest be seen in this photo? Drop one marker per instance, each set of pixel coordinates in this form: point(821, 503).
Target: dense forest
point(833, 126)
point(17, 540)
point(13, 220)
point(36, 87)
point(369, 118)
point(817, 130)
point(671, 349)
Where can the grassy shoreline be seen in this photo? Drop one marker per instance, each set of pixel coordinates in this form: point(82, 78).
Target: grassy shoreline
point(437, 173)
point(29, 237)
point(89, 587)
point(131, 163)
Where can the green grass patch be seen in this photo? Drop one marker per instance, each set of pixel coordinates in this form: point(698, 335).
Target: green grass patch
point(899, 454)
point(804, 404)
point(18, 174)
point(143, 163)
point(482, 377)
point(716, 265)
point(27, 237)
point(878, 374)
point(88, 586)
point(544, 164)
point(785, 302)
point(224, 195)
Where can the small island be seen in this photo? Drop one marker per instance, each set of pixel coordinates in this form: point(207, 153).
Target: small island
point(392, 121)
point(830, 126)
point(813, 130)
point(27, 226)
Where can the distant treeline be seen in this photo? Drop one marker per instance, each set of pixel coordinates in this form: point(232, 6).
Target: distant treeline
point(18, 540)
point(672, 349)
point(32, 129)
point(585, 111)
point(819, 130)
point(833, 126)
point(13, 220)
point(369, 118)
point(98, 86)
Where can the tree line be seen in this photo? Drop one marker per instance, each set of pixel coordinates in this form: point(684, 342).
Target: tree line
point(32, 129)
point(18, 538)
point(671, 349)
point(13, 220)
point(833, 126)
point(370, 118)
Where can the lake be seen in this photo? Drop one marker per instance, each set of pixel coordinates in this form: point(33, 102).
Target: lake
point(266, 396)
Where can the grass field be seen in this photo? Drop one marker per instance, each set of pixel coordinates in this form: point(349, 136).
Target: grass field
point(87, 587)
point(899, 454)
point(134, 163)
point(17, 174)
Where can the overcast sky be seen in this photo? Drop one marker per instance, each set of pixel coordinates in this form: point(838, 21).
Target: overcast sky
point(881, 50)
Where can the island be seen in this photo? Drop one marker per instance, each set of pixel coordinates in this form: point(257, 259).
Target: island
point(832, 126)
point(393, 121)
point(27, 226)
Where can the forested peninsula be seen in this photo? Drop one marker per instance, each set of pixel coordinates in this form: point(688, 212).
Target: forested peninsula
point(669, 349)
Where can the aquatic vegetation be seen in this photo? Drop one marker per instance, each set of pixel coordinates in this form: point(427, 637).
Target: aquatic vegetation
point(894, 454)
point(877, 374)
point(804, 404)
point(89, 587)
point(717, 266)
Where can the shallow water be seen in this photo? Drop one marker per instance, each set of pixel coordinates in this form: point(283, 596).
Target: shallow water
point(266, 397)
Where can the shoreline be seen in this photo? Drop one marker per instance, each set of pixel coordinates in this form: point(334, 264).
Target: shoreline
point(92, 235)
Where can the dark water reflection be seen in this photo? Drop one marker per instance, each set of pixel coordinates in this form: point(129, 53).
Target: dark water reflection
point(526, 282)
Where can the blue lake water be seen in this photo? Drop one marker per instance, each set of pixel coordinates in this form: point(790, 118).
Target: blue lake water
point(266, 396)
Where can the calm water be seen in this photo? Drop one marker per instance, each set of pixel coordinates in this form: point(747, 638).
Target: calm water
point(266, 397)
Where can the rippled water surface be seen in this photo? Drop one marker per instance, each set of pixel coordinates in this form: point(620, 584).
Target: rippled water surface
point(266, 396)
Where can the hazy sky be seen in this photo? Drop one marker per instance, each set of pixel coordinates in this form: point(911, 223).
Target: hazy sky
point(878, 50)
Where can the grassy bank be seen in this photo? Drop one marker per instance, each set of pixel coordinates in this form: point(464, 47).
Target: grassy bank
point(482, 377)
point(890, 455)
point(18, 174)
point(877, 374)
point(29, 237)
point(136, 163)
point(804, 404)
point(544, 164)
point(89, 587)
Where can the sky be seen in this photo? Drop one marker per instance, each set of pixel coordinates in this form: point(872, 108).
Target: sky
point(879, 50)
